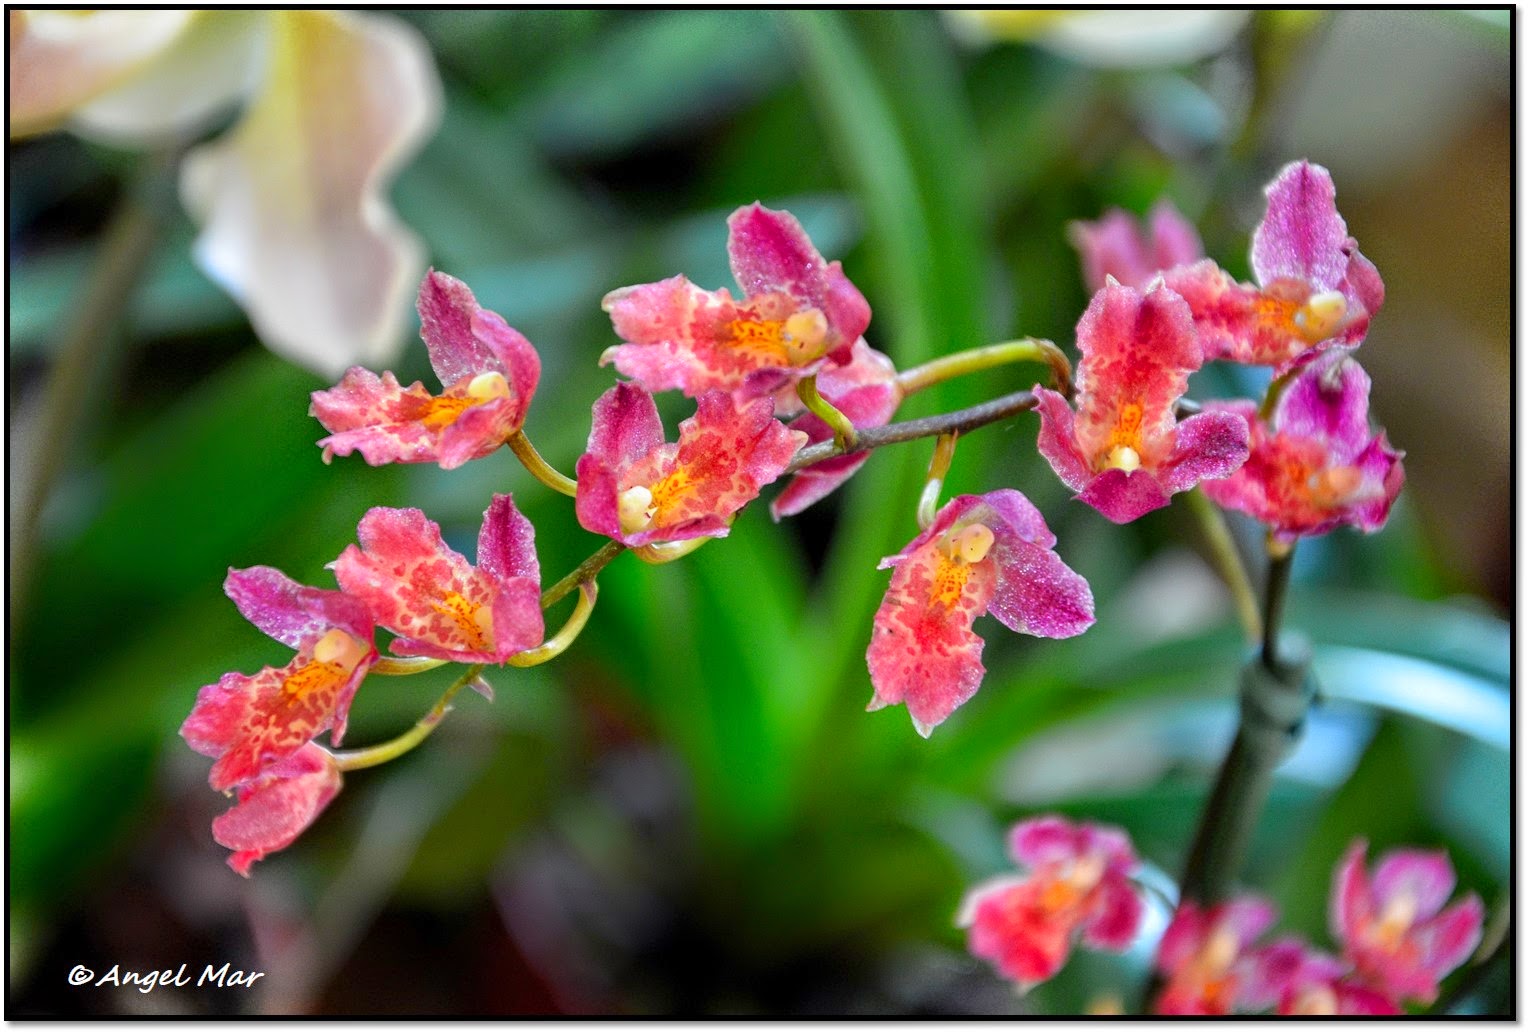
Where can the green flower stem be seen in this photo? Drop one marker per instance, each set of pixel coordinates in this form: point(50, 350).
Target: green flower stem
point(1227, 560)
point(974, 360)
point(87, 344)
point(588, 593)
point(939, 466)
point(405, 665)
point(1281, 556)
point(826, 411)
point(585, 572)
point(370, 757)
point(961, 420)
point(1276, 692)
point(540, 469)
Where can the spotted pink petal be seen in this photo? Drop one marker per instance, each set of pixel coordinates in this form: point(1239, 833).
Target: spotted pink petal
point(923, 651)
point(1241, 323)
point(797, 315)
point(277, 806)
point(1207, 446)
point(1123, 497)
point(249, 722)
point(1315, 465)
point(1123, 451)
point(1301, 250)
point(770, 252)
point(1050, 839)
point(1302, 236)
point(730, 449)
point(388, 423)
point(291, 613)
point(866, 391)
point(1012, 927)
point(428, 594)
point(464, 339)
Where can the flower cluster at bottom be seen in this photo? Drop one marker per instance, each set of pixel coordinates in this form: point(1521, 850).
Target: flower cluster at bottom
point(1397, 938)
point(261, 728)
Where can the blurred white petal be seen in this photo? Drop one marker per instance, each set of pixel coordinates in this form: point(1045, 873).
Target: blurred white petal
point(295, 224)
point(61, 59)
point(214, 63)
point(1116, 39)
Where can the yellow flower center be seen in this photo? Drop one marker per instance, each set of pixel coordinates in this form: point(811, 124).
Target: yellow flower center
point(1395, 920)
point(443, 411)
point(474, 621)
point(1322, 316)
point(794, 341)
point(959, 551)
point(335, 657)
point(1123, 449)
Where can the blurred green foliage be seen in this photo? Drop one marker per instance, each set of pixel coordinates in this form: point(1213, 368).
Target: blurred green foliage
point(581, 151)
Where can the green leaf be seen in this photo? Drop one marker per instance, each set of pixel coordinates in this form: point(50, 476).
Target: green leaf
point(656, 73)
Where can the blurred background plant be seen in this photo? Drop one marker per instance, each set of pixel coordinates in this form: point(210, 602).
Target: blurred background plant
point(689, 812)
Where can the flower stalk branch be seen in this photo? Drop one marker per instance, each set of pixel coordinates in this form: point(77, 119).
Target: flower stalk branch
point(540, 469)
point(1227, 561)
point(588, 593)
point(960, 420)
point(382, 753)
point(585, 572)
point(845, 434)
point(1276, 692)
point(974, 360)
point(934, 483)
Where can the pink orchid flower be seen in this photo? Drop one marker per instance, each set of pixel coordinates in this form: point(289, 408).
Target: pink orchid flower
point(277, 805)
point(1077, 883)
point(1393, 925)
point(1125, 453)
point(639, 489)
point(1314, 291)
point(1206, 957)
point(1114, 246)
point(489, 372)
point(988, 553)
point(866, 391)
point(798, 313)
point(1313, 465)
point(437, 603)
point(1310, 983)
point(249, 722)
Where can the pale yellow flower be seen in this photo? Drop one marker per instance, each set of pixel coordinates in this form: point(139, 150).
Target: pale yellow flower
point(291, 201)
point(1122, 38)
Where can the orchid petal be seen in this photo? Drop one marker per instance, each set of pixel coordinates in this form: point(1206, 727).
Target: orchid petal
point(291, 613)
point(212, 66)
point(295, 225)
point(61, 59)
point(278, 806)
point(1302, 236)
